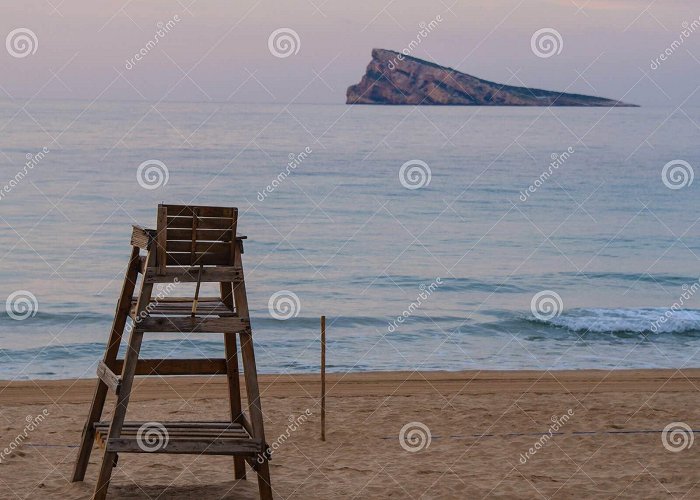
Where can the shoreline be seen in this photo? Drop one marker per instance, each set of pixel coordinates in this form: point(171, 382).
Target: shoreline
point(374, 383)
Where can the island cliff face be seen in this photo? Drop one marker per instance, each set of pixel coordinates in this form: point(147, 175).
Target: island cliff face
point(394, 78)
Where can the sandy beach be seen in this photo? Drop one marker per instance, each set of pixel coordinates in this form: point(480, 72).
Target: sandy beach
point(483, 427)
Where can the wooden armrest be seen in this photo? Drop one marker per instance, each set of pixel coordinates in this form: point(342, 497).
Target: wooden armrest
point(141, 237)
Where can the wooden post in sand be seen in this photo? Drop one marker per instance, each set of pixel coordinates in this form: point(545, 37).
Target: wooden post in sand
point(323, 378)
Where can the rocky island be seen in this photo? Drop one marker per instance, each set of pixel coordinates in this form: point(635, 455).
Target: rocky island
point(394, 78)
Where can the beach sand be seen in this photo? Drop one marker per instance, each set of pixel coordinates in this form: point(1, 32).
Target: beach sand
point(481, 424)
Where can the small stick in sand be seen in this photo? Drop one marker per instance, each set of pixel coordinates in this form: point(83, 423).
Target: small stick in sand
point(323, 378)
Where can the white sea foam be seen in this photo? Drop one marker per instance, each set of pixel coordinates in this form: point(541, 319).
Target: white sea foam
point(637, 320)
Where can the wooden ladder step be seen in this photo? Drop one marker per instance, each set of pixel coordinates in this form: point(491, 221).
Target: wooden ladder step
point(182, 324)
point(185, 274)
point(208, 438)
point(111, 379)
point(177, 306)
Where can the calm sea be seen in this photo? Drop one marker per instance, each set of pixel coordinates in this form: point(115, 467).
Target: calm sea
point(600, 245)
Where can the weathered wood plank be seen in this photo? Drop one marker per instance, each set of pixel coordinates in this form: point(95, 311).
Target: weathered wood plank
point(193, 325)
point(209, 258)
point(200, 446)
point(174, 366)
point(140, 237)
point(110, 378)
point(188, 211)
point(205, 223)
point(189, 275)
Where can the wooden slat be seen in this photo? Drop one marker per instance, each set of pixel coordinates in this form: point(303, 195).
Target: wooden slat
point(200, 246)
point(202, 234)
point(189, 275)
point(250, 447)
point(204, 223)
point(184, 424)
point(140, 237)
point(161, 238)
point(177, 430)
point(188, 210)
point(206, 259)
point(193, 325)
point(108, 377)
point(197, 366)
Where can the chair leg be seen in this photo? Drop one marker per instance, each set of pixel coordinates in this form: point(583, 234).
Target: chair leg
point(232, 374)
point(100, 396)
point(255, 409)
point(109, 459)
point(264, 486)
point(88, 437)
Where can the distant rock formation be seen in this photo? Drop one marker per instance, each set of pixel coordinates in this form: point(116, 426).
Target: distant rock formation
point(394, 78)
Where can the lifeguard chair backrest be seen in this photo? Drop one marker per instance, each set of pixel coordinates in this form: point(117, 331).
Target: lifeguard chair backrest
point(189, 235)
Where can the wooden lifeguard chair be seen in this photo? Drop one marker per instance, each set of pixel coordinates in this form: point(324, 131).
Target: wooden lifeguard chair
point(191, 244)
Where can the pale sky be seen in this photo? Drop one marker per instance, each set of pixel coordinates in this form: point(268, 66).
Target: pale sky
point(219, 48)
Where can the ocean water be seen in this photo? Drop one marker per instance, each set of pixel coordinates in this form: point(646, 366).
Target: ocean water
point(600, 241)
